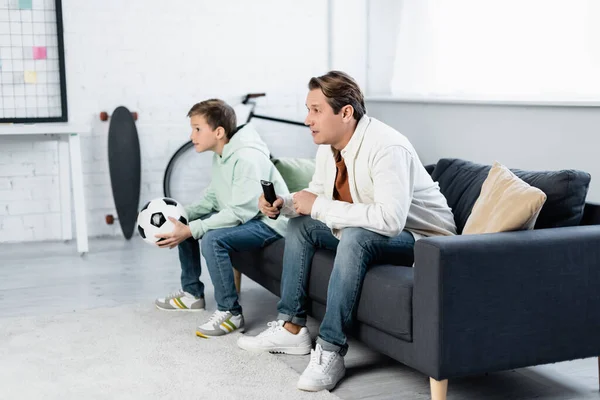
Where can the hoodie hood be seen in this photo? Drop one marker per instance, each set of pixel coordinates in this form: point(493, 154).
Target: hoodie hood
point(246, 137)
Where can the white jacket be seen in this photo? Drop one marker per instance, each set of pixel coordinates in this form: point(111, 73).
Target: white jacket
point(390, 188)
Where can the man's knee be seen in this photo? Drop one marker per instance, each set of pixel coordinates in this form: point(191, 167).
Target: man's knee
point(356, 243)
point(354, 237)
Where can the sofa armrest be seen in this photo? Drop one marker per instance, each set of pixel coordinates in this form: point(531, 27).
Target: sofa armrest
point(498, 301)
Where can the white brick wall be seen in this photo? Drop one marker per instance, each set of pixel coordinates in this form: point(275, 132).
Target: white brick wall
point(158, 58)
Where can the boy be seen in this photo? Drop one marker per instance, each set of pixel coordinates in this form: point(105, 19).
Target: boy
point(226, 218)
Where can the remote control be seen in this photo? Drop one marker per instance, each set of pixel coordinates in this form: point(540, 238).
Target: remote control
point(269, 192)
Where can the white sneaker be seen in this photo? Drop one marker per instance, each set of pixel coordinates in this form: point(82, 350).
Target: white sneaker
point(277, 339)
point(219, 324)
point(324, 371)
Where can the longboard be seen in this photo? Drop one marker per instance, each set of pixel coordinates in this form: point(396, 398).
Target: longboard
point(124, 162)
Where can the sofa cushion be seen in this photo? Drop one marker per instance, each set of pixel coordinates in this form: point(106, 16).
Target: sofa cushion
point(506, 203)
point(429, 168)
point(296, 172)
point(460, 181)
point(386, 298)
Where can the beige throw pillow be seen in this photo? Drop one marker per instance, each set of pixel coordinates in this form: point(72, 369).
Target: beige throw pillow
point(506, 203)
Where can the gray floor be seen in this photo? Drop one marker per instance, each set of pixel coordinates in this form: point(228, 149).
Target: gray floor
point(47, 278)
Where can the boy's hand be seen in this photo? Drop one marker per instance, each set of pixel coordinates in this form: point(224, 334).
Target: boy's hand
point(270, 210)
point(303, 202)
point(180, 233)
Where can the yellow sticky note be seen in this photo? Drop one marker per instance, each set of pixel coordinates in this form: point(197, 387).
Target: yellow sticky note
point(30, 77)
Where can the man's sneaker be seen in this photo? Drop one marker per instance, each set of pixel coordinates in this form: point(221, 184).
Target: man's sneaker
point(180, 301)
point(277, 339)
point(219, 324)
point(324, 371)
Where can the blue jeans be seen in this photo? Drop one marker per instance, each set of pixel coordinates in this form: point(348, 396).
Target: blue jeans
point(216, 245)
point(355, 252)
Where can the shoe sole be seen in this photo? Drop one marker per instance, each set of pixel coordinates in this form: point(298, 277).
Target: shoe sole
point(205, 336)
point(179, 309)
point(294, 351)
point(316, 388)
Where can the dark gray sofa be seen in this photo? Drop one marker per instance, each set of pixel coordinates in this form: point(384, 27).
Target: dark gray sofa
point(476, 303)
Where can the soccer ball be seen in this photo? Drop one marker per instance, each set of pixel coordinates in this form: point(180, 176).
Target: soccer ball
point(154, 218)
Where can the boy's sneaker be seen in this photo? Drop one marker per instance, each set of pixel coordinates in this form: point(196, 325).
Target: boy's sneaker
point(277, 339)
point(180, 301)
point(324, 371)
point(219, 324)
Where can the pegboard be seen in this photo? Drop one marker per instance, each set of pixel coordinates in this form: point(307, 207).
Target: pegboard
point(32, 62)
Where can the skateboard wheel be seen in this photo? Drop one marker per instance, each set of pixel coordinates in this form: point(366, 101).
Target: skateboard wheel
point(110, 219)
point(103, 116)
point(134, 115)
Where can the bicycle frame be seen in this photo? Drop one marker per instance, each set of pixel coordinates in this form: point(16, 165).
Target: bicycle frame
point(253, 115)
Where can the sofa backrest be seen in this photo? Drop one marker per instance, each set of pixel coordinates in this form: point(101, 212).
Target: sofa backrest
point(566, 190)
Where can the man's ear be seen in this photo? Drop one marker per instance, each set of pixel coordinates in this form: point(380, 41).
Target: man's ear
point(347, 113)
point(220, 133)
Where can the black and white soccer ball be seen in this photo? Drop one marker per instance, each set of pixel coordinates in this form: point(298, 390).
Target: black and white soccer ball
point(154, 218)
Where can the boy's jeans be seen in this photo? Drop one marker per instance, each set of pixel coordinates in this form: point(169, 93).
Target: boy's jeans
point(357, 249)
point(216, 246)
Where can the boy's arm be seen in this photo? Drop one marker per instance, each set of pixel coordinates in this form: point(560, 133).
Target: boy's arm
point(205, 205)
point(393, 183)
point(243, 205)
point(315, 186)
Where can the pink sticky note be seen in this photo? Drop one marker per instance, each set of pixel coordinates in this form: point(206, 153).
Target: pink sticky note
point(39, 53)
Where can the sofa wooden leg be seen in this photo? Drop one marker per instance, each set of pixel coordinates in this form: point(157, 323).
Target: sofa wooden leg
point(439, 389)
point(237, 278)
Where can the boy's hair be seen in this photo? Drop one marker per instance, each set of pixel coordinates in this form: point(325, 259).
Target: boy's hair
point(217, 113)
point(341, 90)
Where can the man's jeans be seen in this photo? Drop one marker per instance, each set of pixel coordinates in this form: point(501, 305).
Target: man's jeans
point(357, 249)
point(216, 246)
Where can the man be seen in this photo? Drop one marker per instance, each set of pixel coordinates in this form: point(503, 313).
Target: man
point(370, 198)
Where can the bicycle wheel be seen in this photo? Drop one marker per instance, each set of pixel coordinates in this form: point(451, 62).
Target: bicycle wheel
point(187, 174)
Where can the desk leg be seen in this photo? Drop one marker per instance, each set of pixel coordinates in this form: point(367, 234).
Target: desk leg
point(65, 188)
point(78, 194)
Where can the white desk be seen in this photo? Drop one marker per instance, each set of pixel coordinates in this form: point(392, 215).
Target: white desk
point(70, 172)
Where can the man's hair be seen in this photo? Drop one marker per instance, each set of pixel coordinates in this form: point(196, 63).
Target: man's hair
point(341, 90)
point(217, 113)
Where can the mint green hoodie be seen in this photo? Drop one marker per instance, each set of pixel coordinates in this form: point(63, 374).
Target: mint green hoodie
point(235, 186)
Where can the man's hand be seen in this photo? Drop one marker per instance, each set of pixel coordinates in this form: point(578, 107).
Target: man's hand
point(303, 202)
point(180, 233)
point(270, 210)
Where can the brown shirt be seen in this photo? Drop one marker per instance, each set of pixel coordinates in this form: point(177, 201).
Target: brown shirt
point(341, 190)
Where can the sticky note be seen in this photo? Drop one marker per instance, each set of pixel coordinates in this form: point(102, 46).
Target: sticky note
point(39, 53)
point(30, 77)
point(25, 4)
